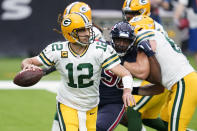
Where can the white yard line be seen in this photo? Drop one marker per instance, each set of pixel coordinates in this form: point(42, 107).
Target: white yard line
point(42, 85)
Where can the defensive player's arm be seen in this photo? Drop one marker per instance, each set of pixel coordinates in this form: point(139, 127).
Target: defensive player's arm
point(155, 70)
point(148, 90)
point(127, 81)
point(31, 63)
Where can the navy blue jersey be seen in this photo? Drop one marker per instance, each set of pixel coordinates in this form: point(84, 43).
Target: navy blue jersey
point(110, 87)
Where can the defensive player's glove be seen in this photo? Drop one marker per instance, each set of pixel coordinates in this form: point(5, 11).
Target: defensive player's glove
point(145, 46)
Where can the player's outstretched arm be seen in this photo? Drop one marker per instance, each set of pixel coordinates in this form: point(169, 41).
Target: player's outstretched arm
point(155, 70)
point(127, 81)
point(148, 90)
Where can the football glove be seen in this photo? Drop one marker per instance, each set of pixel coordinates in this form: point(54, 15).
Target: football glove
point(145, 46)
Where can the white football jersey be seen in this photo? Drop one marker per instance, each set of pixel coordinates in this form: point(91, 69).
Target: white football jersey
point(80, 75)
point(174, 65)
point(159, 27)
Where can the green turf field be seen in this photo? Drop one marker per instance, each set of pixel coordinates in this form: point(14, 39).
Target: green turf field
point(33, 110)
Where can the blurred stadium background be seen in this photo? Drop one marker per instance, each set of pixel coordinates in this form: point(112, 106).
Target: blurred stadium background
point(26, 27)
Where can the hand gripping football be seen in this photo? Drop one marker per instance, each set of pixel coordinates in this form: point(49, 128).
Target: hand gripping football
point(28, 77)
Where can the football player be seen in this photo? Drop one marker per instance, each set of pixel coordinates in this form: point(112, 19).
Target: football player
point(79, 61)
point(130, 9)
point(111, 109)
point(178, 75)
point(86, 10)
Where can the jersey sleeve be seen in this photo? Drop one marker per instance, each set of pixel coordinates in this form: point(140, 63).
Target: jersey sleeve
point(144, 35)
point(48, 57)
point(109, 58)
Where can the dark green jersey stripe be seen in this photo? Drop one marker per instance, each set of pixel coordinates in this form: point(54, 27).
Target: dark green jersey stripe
point(43, 61)
point(176, 109)
point(46, 59)
point(112, 62)
point(143, 38)
point(142, 102)
point(143, 34)
point(181, 103)
point(110, 58)
point(173, 108)
point(63, 127)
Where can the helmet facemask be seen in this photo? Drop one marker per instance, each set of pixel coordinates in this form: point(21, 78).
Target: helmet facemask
point(90, 38)
point(122, 38)
point(122, 45)
point(128, 14)
point(132, 7)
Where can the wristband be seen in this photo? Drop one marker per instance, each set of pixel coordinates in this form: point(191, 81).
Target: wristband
point(46, 71)
point(127, 82)
point(135, 91)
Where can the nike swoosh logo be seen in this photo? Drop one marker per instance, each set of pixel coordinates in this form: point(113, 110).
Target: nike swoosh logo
point(92, 113)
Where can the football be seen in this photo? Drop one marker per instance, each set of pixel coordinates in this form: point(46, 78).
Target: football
point(28, 77)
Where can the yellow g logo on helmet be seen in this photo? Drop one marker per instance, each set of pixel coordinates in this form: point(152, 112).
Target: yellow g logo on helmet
point(71, 23)
point(143, 6)
point(142, 22)
point(84, 9)
point(66, 22)
point(143, 2)
point(78, 7)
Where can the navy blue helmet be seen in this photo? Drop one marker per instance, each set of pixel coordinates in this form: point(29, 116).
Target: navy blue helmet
point(122, 31)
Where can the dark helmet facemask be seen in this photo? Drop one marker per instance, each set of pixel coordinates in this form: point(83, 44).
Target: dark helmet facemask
point(122, 31)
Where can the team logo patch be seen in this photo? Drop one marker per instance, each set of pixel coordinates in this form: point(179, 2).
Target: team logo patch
point(66, 22)
point(143, 2)
point(64, 54)
point(84, 9)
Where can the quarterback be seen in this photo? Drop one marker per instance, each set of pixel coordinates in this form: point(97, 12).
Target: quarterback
point(79, 62)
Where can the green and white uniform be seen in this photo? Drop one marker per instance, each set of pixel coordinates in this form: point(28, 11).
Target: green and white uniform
point(80, 75)
point(178, 76)
point(174, 65)
point(159, 27)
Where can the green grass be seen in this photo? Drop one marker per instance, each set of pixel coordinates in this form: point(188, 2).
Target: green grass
point(33, 110)
point(26, 110)
point(10, 66)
